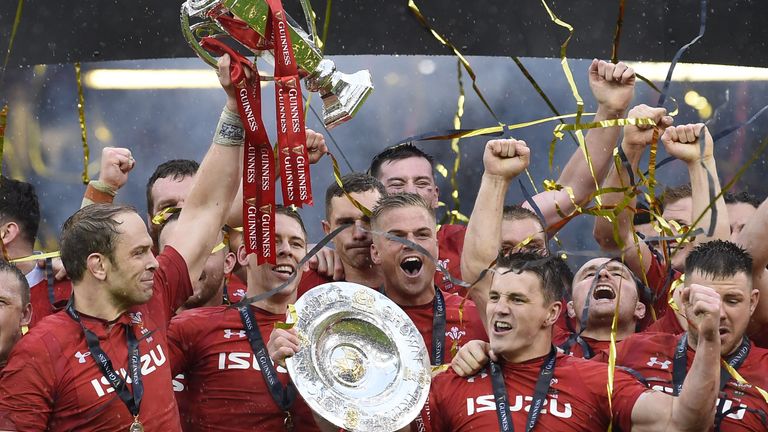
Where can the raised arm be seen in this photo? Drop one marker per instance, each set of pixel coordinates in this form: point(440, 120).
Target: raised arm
point(116, 163)
point(213, 191)
point(503, 161)
point(613, 87)
point(754, 239)
point(694, 409)
point(636, 139)
point(682, 142)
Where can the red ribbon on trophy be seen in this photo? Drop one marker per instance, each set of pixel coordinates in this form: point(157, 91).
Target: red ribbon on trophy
point(291, 135)
point(258, 159)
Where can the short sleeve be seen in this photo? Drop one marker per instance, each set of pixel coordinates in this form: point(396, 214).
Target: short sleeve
point(626, 391)
point(180, 345)
point(172, 281)
point(27, 387)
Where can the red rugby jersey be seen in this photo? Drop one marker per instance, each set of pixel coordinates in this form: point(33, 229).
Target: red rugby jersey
point(560, 337)
point(225, 388)
point(450, 243)
point(457, 331)
point(652, 355)
point(666, 324)
point(659, 282)
point(40, 298)
point(52, 382)
point(577, 399)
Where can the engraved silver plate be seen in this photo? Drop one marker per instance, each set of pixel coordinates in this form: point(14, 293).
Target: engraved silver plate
point(362, 364)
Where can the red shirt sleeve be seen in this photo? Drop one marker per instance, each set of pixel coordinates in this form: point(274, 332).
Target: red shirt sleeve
point(181, 342)
point(626, 391)
point(26, 395)
point(172, 281)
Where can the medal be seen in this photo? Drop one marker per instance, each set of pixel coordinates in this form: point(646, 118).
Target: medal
point(136, 425)
point(288, 422)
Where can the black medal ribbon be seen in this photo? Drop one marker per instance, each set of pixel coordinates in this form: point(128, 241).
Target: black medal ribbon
point(680, 365)
point(284, 396)
point(543, 383)
point(438, 327)
point(131, 399)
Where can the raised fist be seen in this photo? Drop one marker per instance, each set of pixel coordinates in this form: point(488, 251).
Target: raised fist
point(642, 135)
point(116, 163)
point(613, 85)
point(682, 142)
point(506, 158)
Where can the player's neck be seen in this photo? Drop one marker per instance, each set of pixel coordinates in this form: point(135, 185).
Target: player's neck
point(93, 300)
point(369, 276)
point(18, 249)
point(603, 332)
point(540, 347)
point(402, 297)
point(274, 305)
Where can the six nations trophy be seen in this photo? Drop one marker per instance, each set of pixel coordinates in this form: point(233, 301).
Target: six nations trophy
point(362, 363)
point(342, 94)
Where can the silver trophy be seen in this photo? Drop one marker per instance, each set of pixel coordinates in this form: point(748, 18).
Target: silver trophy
point(362, 363)
point(342, 94)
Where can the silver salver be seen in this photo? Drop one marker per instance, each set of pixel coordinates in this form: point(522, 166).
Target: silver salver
point(362, 364)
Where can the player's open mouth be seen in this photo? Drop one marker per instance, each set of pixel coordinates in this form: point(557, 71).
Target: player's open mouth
point(501, 327)
point(603, 292)
point(284, 271)
point(411, 266)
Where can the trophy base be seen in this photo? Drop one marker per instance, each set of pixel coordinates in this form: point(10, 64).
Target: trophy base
point(343, 94)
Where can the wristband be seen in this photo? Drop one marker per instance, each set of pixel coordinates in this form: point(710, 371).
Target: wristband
point(98, 192)
point(229, 131)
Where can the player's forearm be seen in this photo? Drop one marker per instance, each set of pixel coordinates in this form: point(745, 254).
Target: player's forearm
point(694, 409)
point(483, 237)
point(599, 143)
point(753, 237)
point(701, 196)
point(604, 228)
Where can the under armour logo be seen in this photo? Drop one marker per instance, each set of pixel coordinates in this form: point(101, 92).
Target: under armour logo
point(653, 361)
point(455, 333)
point(228, 333)
point(81, 356)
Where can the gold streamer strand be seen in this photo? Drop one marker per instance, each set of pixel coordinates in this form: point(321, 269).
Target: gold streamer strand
point(617, 34)
point(16, 21)
point(81, 116)
point(423, 21)
point(575, 91)
point(455, 214)
point(3, 122)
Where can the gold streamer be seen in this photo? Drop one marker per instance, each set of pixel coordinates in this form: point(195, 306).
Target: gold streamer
point(423, 21)
point(16, 21)
point(735, 374)
point(337, 176)
point(3, 122)
point(455, 215)
point(54, 254)
point(293, 318)
point(617, 34)
point(575, 91)
point(81, 116)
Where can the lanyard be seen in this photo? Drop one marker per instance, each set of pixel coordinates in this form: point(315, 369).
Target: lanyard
point(283, 396)
point(131, 400)
point(438, 327)
point(587, 351)
point(540, 393)
point(680, 363)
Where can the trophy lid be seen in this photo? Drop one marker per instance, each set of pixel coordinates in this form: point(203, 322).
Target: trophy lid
point(362, 364)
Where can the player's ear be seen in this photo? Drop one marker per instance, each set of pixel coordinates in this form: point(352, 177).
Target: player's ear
point(570, 309)
point(553, 313)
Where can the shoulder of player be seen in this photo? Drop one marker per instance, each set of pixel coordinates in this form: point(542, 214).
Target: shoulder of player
point(649, 338)
point(199, 316)
point(453, 301)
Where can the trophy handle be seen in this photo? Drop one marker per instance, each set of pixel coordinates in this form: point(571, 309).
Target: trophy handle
point(199, 30)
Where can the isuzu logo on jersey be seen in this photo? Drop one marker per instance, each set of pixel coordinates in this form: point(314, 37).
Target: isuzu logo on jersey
point(228, 333)
point(149, 363)
point(242, 360)
point(654, 361)
point(519, 403)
